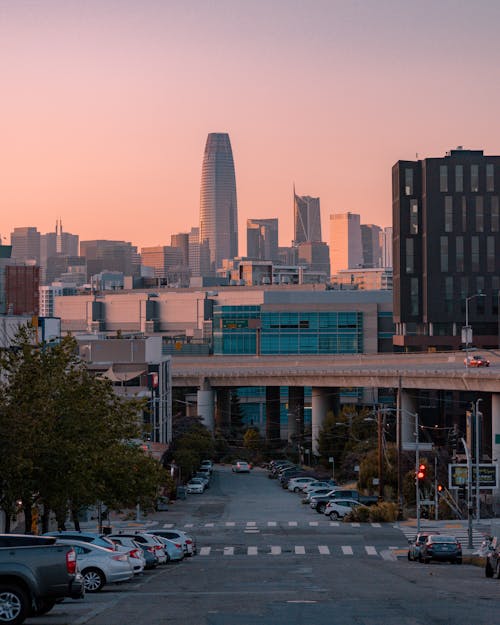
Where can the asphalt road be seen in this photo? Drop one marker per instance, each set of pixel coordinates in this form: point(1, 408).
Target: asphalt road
point(265, 559)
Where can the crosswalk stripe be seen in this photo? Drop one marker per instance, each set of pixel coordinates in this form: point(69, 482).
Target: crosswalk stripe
point(313, 523)
point(275, 550)
point(168, 525)
point(205, 551)
point(347, 550)
point(189, 525)
point(324, 550)
point(230, 524)
point(355, 525)
point(376, 525)
point(371, 551)
point(271, 524)
point(334, 524)
point(209, 524)
point(252, 551)
point(292, 523)
point(229, 551)
point(299, 550)
point(251, 523)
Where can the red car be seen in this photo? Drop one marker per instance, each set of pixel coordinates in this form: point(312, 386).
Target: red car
point(477, 361)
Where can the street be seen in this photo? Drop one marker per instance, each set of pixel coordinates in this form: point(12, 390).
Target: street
point(263, 558)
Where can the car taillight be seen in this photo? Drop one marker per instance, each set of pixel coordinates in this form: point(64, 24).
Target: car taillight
point(158, 547)
point(189, 541)
point(151, 550)
point(134, 553)
point(459, 545)
point(178, 546)
point(120, 558)
point(71, 561)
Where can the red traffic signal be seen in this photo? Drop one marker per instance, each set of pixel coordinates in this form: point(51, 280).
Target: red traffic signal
point(440, 488)
point(421, 472)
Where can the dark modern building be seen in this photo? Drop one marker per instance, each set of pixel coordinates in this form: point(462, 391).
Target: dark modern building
point(218, 206)
point(104, 255)
point(306, 218)
point(21, 289)
point(446, 244)
point(371, 240)
point(262, 239)
point(316, 255)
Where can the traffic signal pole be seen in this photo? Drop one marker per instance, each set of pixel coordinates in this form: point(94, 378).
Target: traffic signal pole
point(417, 469)
point(469, 494)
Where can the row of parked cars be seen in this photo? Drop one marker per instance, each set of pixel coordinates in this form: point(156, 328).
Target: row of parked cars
point(201, 479)
point(324, 496)
point(106, 559)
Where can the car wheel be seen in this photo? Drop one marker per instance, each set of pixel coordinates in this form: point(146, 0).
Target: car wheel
point(93, 580)
point(321, 508)
point(409, 556)
point(334, 515)
point(296, 489)
point(14, 604)
point(420, 559)
point(488, 571)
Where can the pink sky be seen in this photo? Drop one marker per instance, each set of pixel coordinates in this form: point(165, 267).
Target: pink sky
point(106, 105)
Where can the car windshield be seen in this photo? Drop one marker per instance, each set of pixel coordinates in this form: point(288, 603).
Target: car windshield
point(442, 539)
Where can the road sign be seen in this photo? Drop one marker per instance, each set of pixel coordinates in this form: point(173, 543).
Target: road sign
point(421, 446)
point(488, 476)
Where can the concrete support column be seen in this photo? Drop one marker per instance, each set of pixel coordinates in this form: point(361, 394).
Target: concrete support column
point(223, 409)
point(408, 409)
point(495, 441)
point(295, 413)
point(206, 401)
point(324, 399)
point(273, 415)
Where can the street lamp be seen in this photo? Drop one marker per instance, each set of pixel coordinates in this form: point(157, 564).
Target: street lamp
point(467, 329)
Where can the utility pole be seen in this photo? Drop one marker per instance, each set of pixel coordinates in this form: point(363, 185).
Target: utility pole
point(469, 493)
point(477, 416)
point(417, 468)
point(380, 457)
point(436, 496)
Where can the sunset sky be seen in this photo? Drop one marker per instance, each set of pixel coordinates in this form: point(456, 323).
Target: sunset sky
point(105, 105)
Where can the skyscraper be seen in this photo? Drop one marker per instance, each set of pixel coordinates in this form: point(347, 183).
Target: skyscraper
point(372, 250)
point(346, 250)
point(262, 239)
point(306, 218)
point(218, 207)
point(25, 244)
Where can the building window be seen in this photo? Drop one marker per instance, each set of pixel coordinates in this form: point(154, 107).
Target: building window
point(494, 213)
point(474, 242)
point(409, 256)
point(464, 214)
point(495, 294)
point(474, 178)
point(459, 249)
point(459, 178)
point(408, 181)
point(490, 177)
point(414, 296)
point(444, 254)
point(448, 294)
point(448, 213)
point(413, 216)
point(464, 292)
point(490, 254)
point(443, 178)
point(479, 214)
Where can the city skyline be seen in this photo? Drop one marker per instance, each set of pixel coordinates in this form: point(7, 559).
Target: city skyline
point(106, 106)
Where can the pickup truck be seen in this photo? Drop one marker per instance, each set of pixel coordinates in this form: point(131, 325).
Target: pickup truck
point(319, 503)
point(35, 573)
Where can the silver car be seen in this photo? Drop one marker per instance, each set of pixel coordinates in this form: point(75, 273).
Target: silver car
point(150, 541)
point(188, 542)
point(134, 550)
point(173, 548)
point(100, 566)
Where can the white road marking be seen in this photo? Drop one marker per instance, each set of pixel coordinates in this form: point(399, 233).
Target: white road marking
point(376, 525)
point(355, 525)
point(324, 550)
point(347, 550)
point(371, 551)
point(271, 524)
point(252, 551)
point(229, 551)
point(292, 523)
point(205, 551)
point(230, 524)
point(189, 525)
point(251, 523)
point(299, 550)
point(209, 524)
point(168, 525)
point(275, 550)
point(334, 524)
point(313, 523)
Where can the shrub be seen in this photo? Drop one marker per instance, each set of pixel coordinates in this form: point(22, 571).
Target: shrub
point(360, 514)
point(384, 511)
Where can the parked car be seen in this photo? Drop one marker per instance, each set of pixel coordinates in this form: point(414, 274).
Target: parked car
point(318, 502)
point(207, 465)
point(297, 483)
point(134, 550)
point(86, 537)
point(317, 492)
point(492, 566)
point(240, 466)
point(415, 544)
point(195, 486)
point(146, 539)
point(203, 475)
point(173, 548)
point(318, 484)
point(99, 565)
point(339, 508)
point(476, 360)
point(442, 548)
point(188, 542)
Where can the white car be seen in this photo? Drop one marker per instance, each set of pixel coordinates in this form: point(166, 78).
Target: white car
point(339, 508)
point(188, 542)
point(150, 541)
point(317, 484)
point(98, 565)
point(241, 467)
point(318, 492)
point(297, 483)
point(173, 548)
point(195, 486)
point(207, 465)
point(128, 545)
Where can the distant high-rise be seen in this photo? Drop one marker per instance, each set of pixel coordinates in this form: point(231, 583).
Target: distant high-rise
point(104, 255)
point(262, 239)
point(371, 241)
point(346, 251)
point(181, 242)
point(25, 244)
point(307, 218)
point(386, 244)
point(218, 207)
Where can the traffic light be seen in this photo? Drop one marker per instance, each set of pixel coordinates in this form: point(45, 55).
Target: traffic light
point(421, 472)
point(440, 488)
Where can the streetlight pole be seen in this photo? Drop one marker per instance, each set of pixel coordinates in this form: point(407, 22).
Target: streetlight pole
point(469, 493)
point(478, 483)
point(417, 466)
point(468, 329)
